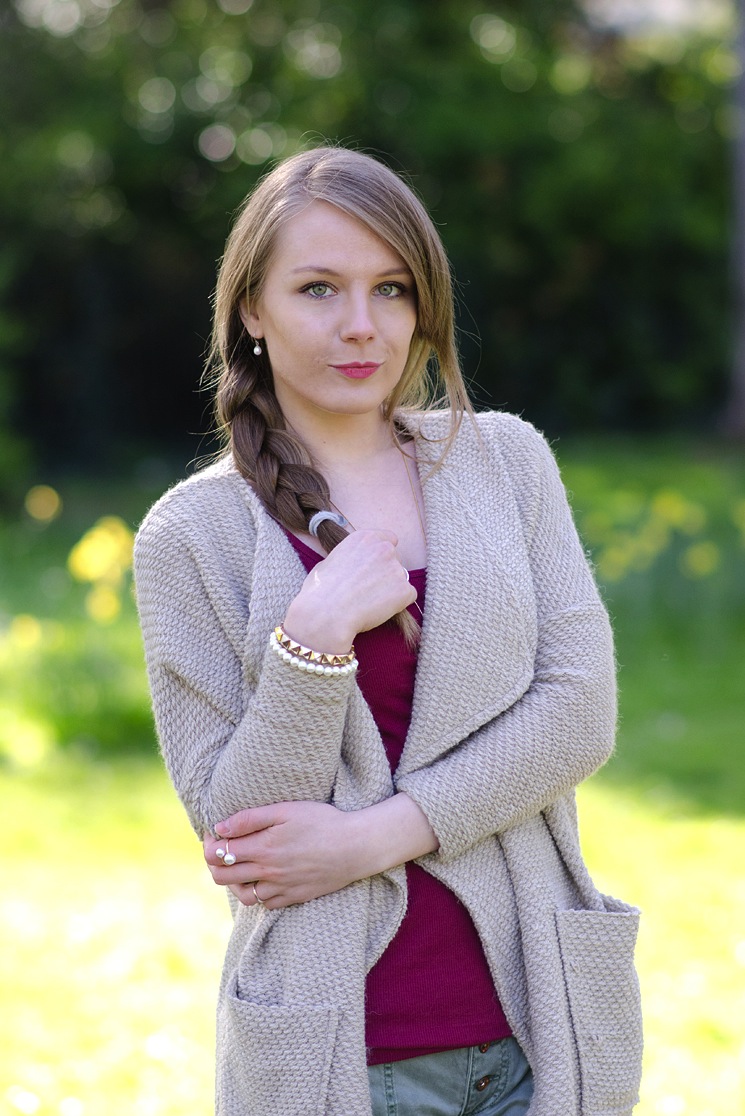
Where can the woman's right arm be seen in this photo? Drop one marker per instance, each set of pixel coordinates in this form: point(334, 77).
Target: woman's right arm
point(225, 754)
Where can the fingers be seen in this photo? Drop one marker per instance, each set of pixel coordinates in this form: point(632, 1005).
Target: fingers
point(246, 821)
point(383, 533)
point(257, 893)
point(234, 825)
point(235, 875)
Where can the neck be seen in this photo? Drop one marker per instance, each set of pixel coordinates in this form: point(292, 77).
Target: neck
point(344, 440)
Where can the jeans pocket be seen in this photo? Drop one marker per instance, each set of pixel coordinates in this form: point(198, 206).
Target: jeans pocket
point(274, 1060)
point(597, 954)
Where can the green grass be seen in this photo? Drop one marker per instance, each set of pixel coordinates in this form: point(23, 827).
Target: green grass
point(112, 936)
point(111, 933)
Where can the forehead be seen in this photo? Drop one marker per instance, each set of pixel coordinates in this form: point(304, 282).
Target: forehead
point(322, 236)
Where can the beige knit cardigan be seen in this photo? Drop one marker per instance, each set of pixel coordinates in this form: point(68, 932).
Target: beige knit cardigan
point(514, 705)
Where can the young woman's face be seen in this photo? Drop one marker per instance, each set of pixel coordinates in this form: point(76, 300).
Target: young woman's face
point(336, 316)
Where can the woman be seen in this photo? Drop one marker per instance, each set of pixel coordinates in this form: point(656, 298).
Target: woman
point(415, 930)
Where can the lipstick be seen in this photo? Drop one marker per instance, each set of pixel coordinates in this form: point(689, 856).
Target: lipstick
point(356, 370)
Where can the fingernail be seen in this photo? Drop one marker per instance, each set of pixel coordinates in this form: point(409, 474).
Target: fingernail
point(222, 829)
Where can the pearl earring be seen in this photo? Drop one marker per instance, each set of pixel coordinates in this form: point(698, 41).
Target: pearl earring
point(257, 348)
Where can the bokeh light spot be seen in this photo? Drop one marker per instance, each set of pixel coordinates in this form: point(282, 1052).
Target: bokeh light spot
point(702, 559)
point(235, 7)
point(25, 632)
point(25, 742)
point(22, 1100)
point(226, 67)
point(675, 509)
point(103, 604)
point(314, 49)
point(76, 150)
point(722, 66)
point(103, 553)
point(254, 146)
point(62, 17)
point(210, 92)
point(570, 73)
point(43, 503)
point(157, 95)
point(217, 143)
point(495, 37)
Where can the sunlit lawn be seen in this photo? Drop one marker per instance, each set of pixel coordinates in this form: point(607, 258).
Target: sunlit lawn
point(112, 935)
point(111, 932)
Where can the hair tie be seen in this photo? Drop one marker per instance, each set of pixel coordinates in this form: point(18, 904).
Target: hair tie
point(321, 517)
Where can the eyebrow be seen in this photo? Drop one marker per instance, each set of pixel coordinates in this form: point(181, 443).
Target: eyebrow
point(319, 269)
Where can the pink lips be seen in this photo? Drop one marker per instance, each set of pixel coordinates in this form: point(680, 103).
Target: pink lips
point(356, 371)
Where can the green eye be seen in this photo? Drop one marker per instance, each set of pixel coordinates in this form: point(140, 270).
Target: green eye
point(391, 290)
point(318, 290)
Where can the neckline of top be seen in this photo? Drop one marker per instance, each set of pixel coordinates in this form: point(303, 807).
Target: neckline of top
point(309, 550)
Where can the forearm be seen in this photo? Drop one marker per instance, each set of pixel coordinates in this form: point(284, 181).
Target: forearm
point(387, 834)
point(286, 745)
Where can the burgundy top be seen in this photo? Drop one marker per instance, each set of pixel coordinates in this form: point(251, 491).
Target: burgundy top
point(431, 990)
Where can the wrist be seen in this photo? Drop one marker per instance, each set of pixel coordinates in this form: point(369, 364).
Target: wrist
point(326, 633)
point(387, 834)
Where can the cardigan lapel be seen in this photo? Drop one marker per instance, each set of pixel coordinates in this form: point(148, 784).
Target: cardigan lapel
point(479, 629)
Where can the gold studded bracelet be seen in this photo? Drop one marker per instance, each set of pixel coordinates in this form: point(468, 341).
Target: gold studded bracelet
point(306, 659)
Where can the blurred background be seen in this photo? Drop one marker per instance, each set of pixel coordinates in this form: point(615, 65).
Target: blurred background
point(585, 163)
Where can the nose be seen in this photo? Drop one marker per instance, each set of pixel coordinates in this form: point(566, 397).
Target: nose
point(357, 322)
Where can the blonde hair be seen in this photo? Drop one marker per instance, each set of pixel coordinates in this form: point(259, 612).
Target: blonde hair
point(248, 415)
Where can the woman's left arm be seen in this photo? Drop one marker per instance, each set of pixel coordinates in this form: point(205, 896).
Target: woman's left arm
point(562, 729)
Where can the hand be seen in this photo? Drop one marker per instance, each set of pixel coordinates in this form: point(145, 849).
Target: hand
point(360, 585)
point(292, 851)
point(296, 851)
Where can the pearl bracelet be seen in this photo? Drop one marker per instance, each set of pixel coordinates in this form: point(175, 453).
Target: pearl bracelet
point(313, 662)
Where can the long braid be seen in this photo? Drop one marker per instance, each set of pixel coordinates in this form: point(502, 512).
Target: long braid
point(274, 461)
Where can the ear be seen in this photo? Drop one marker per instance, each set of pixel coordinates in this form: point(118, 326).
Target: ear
point(250, 319)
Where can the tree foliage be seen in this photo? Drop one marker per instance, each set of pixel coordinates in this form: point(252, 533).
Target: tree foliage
point(579, 178)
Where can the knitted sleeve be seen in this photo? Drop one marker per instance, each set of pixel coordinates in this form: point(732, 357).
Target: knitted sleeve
point(563, 727)
point(227, 744)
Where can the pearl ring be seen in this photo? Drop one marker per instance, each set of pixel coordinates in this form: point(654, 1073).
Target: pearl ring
point(225, 855)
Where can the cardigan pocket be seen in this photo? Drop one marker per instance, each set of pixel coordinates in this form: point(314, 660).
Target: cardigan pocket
point(274, 1060)
point(597, 955)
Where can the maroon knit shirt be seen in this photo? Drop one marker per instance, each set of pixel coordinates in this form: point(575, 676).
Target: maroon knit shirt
point(432, 989)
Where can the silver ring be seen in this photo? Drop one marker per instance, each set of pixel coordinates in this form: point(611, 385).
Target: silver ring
point(407, 575)
point(229, 857)
point(259, 901)
point(321, 517)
